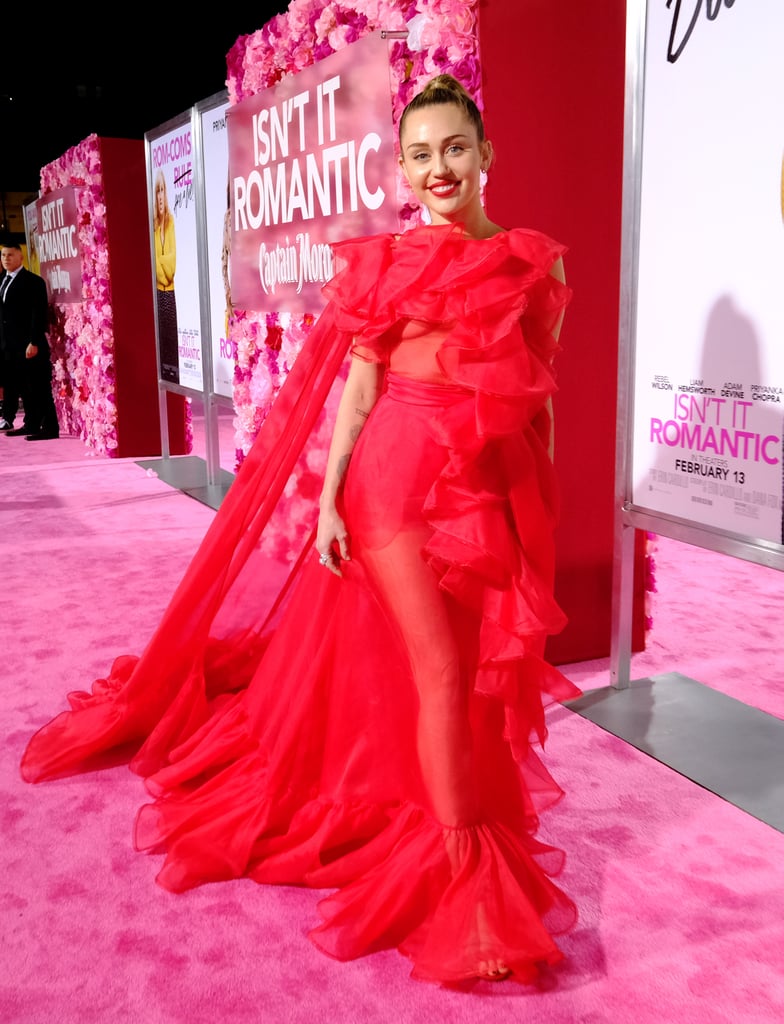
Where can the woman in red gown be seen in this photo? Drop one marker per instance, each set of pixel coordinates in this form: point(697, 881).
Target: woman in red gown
point(356, 709)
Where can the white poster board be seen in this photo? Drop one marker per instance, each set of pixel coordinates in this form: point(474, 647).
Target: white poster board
point(170, 154)
point(707, 326)
point(215, 157)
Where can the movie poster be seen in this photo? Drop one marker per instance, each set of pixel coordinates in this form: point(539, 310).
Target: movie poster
point(175, 250)
point(53, 237)
point(709, 333)
point(311, 161)
point(30, 214)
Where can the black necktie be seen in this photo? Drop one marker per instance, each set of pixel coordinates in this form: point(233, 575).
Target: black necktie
point(4, 287)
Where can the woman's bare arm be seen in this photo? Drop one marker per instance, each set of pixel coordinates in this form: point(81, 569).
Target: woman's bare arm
point(360, 394)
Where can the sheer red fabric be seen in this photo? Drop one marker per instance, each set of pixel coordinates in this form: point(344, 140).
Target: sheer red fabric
point(373, 734)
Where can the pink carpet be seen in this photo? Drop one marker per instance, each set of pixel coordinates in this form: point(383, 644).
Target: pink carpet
point(680, 893)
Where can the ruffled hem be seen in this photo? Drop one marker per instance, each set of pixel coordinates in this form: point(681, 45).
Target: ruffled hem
point(450, 899)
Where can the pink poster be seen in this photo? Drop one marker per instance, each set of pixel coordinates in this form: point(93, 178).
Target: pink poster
point(311, 161)
point(57, 245)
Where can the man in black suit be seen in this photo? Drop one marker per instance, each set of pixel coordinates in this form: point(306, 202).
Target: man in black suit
point(26, 366)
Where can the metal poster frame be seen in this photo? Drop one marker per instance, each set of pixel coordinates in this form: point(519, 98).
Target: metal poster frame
point(181, 121)
point(203, 479)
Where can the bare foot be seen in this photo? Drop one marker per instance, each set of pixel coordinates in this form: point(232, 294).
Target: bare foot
point(458, 843)
point(493, 970)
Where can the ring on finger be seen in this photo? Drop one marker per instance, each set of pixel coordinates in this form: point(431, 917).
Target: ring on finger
point(325, 558)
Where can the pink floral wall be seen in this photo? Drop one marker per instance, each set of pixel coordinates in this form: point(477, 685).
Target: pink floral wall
point(82, 334)
point(442, 37)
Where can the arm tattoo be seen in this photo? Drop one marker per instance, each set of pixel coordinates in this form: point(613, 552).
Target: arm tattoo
point(342, 466)
point(356, 429)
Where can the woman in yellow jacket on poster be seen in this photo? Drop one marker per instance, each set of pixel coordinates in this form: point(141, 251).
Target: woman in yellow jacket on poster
point(165, 266)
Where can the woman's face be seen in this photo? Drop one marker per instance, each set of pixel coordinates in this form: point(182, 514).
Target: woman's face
point(160, 198)
point(442, 157)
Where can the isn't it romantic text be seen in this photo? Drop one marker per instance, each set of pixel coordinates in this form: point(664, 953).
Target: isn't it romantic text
point(57, 239)
point(717, 425)
point(297, 176)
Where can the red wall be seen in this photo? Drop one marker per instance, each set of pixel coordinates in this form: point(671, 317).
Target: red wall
point(128, 228)
point(553, 87)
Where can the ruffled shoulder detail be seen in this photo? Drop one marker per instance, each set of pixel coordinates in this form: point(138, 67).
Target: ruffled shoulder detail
point(376, 270)
point(496, 294)
point(355, 290)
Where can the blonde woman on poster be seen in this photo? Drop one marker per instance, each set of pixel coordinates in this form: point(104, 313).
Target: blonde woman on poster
point(165, 266)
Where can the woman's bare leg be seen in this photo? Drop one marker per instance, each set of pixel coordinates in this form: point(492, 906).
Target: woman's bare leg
point(418, 608)
point(444, 740)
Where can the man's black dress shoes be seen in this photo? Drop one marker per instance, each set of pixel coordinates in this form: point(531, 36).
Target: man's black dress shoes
point(17, 432)
point(42, 437)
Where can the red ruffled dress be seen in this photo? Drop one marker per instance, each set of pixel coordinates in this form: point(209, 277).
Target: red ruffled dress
point(291, 726)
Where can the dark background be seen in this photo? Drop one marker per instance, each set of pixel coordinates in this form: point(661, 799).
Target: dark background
point(108, 72)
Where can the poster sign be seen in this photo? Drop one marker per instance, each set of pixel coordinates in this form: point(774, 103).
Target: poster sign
point(709, 352)
point(56, 243)
point(30, 214)
point(174, 242)
point(215, 145)
point(311, 161)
